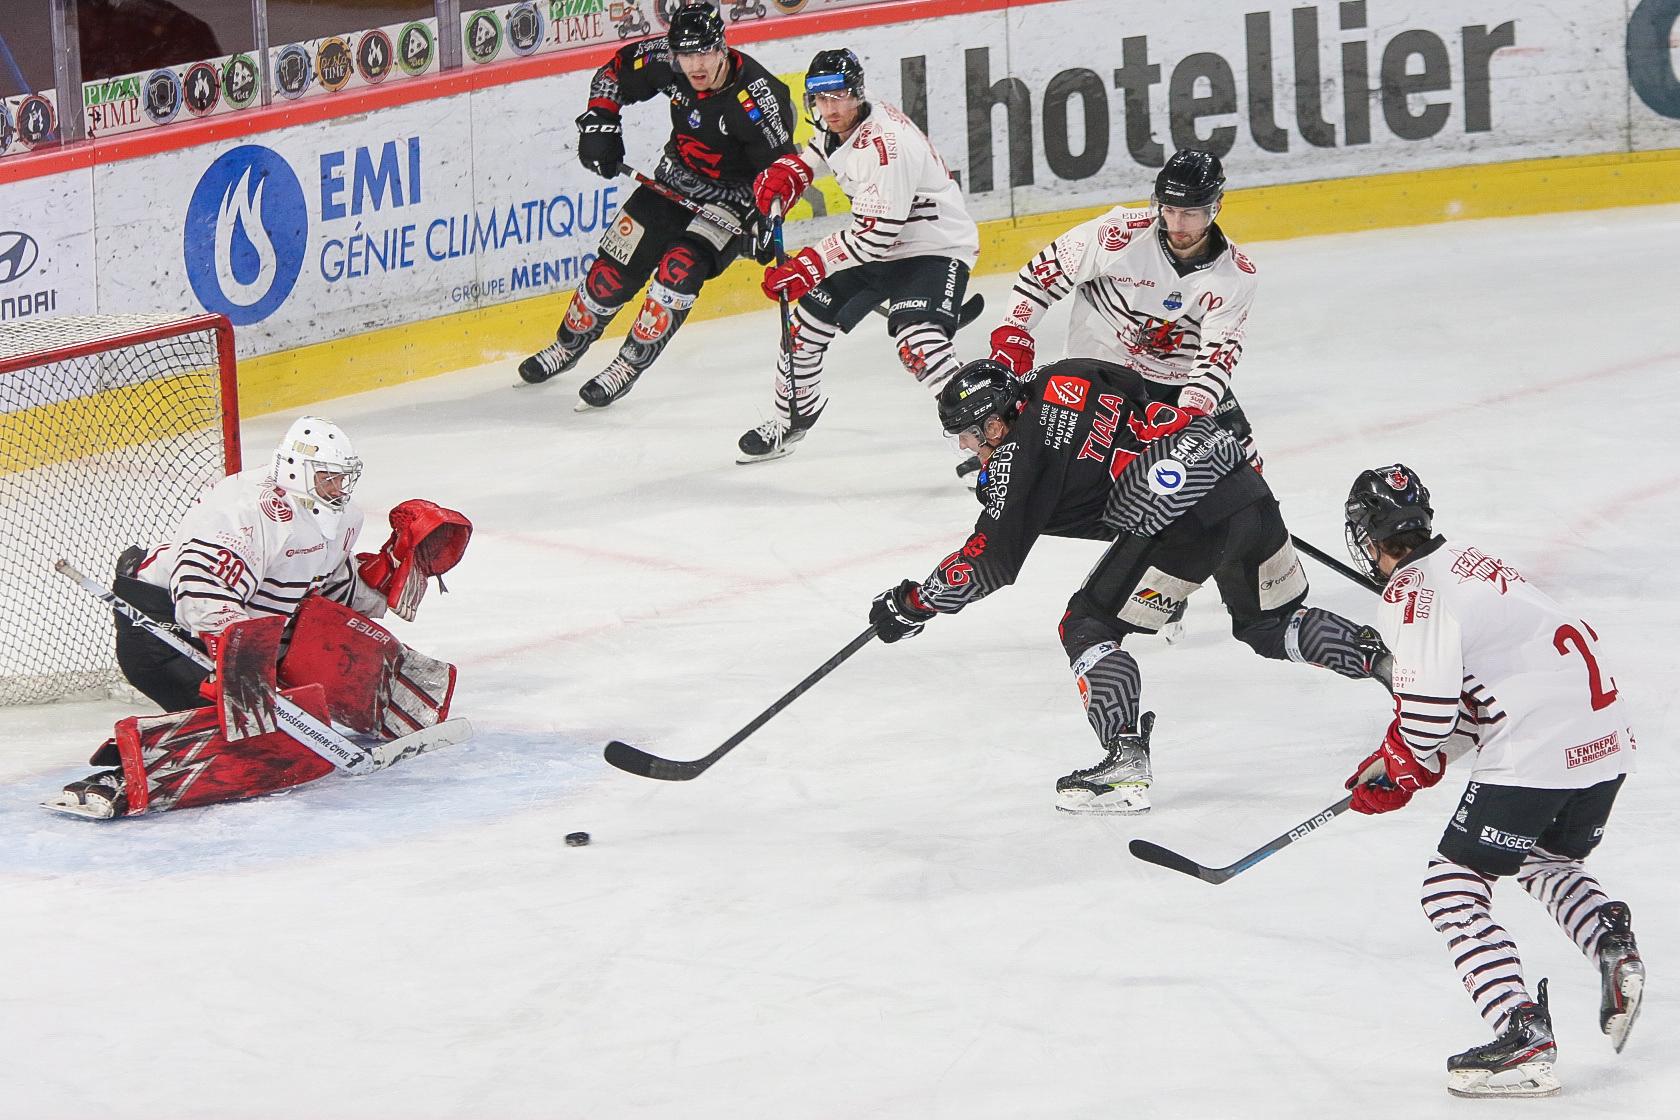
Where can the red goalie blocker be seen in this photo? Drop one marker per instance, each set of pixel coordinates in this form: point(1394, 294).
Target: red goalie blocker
point(181, 759)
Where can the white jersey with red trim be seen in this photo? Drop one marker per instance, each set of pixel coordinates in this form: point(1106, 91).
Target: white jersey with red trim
point(1132, 306)
point(1545, 704)
point(249, 549)
point(904, 201)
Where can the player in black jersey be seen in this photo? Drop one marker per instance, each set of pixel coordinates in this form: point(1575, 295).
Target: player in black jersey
point(1077, 449)
point(730, 119)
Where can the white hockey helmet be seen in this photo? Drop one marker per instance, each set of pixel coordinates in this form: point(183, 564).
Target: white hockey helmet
point(313, 447)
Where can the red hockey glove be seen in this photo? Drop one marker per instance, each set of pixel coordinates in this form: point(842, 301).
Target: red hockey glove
point(781, 183)
point(1014, 347)
point(426, 540)
point(1399, 770)
point(898, 612)
point(795, 279)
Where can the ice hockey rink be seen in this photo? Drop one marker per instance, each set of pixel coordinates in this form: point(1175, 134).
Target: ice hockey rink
point(871, 909)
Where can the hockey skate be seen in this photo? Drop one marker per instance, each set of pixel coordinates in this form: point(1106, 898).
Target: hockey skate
point(1173, 631)
point(551, 361)
point(774, 439)
point(1117, 784)
point(99, 797)
point(609, 385)
point(1516, 1064)
point(1621, 973)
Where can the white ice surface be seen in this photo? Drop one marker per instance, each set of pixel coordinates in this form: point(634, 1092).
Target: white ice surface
point(870, 909)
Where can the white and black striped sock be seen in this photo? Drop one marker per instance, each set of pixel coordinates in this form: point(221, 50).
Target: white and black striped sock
point(1458, 903)
point(926, 351)
point(1569, 892)
point(810, 345)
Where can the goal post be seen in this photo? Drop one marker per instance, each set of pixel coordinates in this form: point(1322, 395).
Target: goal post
point(111, 426)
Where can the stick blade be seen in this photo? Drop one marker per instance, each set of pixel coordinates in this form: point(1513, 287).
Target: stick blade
point(634, 760)
point(1172, 861)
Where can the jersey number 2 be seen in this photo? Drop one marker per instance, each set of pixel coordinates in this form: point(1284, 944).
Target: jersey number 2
point(1568, 636)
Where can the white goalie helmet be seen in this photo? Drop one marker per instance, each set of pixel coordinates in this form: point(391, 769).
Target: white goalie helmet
point(316, 463)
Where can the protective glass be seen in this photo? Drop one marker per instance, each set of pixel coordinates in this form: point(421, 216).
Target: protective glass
point(1191, 216)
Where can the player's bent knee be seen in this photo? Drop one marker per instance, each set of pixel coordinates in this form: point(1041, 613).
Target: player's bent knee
point(1080, 632)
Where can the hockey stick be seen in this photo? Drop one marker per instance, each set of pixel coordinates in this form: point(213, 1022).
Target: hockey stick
point(319, 737)
point(1334, 564)
point(787, 325)
point(633, 760)
point(1161, 857)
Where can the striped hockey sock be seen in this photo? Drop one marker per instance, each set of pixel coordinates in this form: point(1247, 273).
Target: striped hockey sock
point(1573, 896)
point(1458, 903)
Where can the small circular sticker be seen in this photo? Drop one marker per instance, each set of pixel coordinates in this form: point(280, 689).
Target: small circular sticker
point(34, 119)
point(241, 80)
point(414, 48)
point(1167, 477)
point(201, 89)
point(525, 29)
point(161, 96)
point(332, 64)
point(292, 71)
point(483, 35)
point(373, 56)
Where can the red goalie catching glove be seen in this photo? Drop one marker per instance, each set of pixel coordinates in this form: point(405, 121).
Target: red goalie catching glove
point(426, 540)
point(1401, 772)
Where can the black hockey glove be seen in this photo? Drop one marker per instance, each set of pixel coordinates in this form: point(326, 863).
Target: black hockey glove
point(761, 239)
point(601, 142)
point(898, 612)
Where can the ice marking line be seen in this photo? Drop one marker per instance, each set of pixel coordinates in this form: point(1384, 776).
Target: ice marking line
point(1431, 416)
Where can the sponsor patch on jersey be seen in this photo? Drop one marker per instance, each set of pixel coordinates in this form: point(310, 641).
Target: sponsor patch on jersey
point(1591, 752)
point(274, 505)
point(1400, 583)
point(1510, 841)
point(694, 118)
point(1167, 477)
point(1472, 564)
point(749, 105)
point(1173, 301)
point(997, 479)
point(1419, 602)
point(1069, 392)
point(1241, 261)
point(1113, 238)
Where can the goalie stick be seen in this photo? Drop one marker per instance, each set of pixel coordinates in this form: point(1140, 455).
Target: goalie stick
point(325, 740)
point(633, 760)
point(1162, 857)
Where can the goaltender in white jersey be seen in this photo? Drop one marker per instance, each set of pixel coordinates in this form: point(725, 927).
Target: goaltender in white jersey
point(1158, 289)
point(911, 243)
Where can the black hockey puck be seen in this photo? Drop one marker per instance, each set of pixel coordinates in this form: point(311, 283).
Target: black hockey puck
point(576, 839)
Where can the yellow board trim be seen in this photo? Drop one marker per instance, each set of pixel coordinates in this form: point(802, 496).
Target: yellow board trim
point(392, 355)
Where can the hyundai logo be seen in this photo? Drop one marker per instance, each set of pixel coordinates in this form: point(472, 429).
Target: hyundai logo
point(18, 254)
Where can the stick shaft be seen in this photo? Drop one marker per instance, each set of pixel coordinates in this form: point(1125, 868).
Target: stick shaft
point(1333, 564)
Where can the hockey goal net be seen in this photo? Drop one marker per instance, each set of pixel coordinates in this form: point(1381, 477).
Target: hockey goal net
point(110, 427)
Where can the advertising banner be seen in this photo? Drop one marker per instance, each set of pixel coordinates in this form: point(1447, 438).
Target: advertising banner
point(47, 247)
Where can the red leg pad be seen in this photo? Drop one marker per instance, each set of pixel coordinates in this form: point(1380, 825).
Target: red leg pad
point(181, 759)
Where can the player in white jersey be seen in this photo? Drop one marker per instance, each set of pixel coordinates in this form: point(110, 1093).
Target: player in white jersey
point(911, 243)
point(1483, 660)
point(1160, 290)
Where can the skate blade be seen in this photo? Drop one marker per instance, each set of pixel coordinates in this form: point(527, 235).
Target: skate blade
point(1173, 632)
point(1125, 801)
point(1531, 1079)
point(89, 811)
point(781, 452)
point(584, 406)
point(1621, 1023)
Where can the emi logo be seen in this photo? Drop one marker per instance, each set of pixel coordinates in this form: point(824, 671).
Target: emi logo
point(241, 81)
point(525, 29)
point(414, 48)
point(34, 119)
point(332, 64)
point(291, 71)
point(484, 36)
point(201, 89)
point(373, 56)
point(162, 97)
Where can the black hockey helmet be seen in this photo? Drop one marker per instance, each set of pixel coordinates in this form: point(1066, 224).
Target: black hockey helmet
point(832, 71)
point(1190, 178)
point(696, 28)
point(980, 390)
point(1383, 503)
